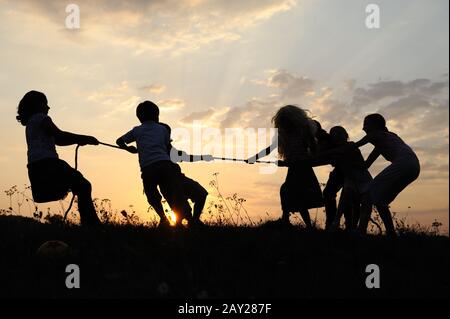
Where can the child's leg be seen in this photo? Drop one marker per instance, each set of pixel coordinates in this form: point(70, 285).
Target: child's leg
point(154, 199)
point(334, 184)
point(386, 217)
point(284, 203)
point(82, 188)
point(337, 218)
point(366, 211)
point(357, 199)
point(385, 187)
point(197, 193)
point(392, 181)
point(306, 218)
point(170, 184)
point(344, 209)
point(199, 204)
point(356, 212)
point(353, 209)
point(348, 216)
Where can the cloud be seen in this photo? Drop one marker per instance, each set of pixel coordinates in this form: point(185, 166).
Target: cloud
point(417, 110)
point(331, 112)
point(403, 107)
point(153, 88)
point(107, 95)
point(349, 85)
point(161, 26)
point(291, 86)
point(171, 104)
point(439, 150)
point(436, 117)
point(378, 91)
point(121, 98)
point(115, 99)
point(198, 116)
point(255, 113)
point(418, 116)
point(432, 170)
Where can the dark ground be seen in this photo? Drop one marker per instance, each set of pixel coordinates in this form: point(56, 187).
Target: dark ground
point(218, 262)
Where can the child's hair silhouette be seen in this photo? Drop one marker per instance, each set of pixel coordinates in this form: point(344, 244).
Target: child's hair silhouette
point(31, 103)
point(147, 111)
point(294, 122)
point(376, 121)
point(338, 134)
point(52, 178)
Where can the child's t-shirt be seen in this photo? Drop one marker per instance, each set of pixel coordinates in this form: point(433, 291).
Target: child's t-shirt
point(352, 165)
point(40, 144)
point(390, 145)
point(152, 141)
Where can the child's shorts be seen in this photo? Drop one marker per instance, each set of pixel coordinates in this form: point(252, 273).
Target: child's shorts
point(192, 189)
point(166, 175)
point(385, 187)
point(51, 179)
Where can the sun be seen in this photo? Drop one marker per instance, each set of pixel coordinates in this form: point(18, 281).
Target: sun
point(172, 217)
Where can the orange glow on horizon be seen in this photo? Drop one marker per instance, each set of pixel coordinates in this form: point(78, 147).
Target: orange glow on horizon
point(172, 217)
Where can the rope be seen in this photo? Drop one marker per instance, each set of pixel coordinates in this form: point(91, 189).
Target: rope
point(241, 160)
point(216, 158)
point(110, 145)
point(73, 195)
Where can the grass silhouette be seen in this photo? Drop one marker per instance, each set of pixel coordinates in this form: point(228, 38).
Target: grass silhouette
point(130, 258)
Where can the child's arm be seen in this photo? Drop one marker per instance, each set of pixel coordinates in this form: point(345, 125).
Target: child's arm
point(329, 156)
point(324, 156)
point(63, 138)
point(126, 139)
point(321, 159)
point(121, 143)
point(372, 157)
point(365, 140)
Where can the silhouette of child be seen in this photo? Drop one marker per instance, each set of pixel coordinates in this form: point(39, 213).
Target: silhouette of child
point(296, 143)
point(403, 170)
point(335, 179)
point(351, 166)
point(50, 177)
point(153, 147)
point(191, 188)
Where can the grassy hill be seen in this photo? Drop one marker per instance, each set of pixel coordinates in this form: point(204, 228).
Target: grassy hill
point(218, 262)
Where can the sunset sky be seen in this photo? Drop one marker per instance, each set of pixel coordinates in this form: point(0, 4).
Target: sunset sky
point(228, 64)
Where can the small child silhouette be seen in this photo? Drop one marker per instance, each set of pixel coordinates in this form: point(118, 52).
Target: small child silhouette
point(403, 170)
point(296, 146)
point(352, 167)
point(153, 147)
point(50, 177)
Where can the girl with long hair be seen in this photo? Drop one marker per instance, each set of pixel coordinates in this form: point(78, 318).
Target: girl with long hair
point(296, 145)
